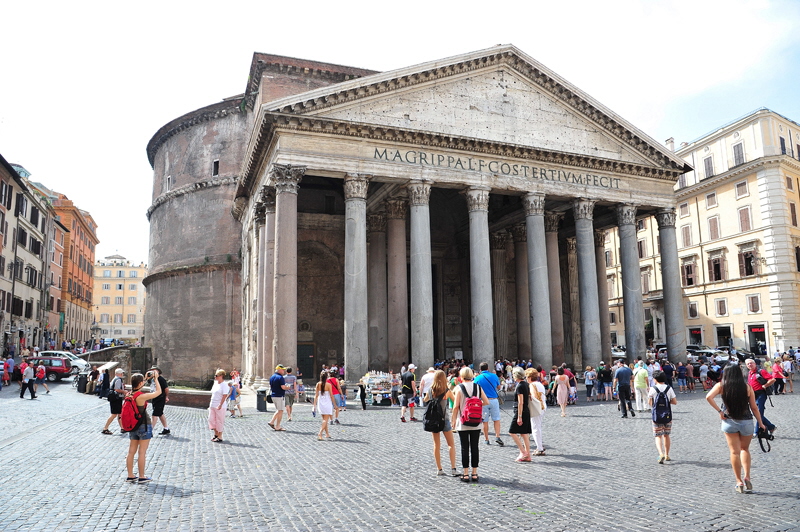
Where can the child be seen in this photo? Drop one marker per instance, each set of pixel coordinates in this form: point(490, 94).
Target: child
point(235, 400)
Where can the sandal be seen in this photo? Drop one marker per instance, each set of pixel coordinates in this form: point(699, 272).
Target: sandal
point(739, 488)
point(474, 478)
point(271, 426)
point(747, 485)
point(464, 478)
point(215, 439)
point(106, 431)
point(281, 429)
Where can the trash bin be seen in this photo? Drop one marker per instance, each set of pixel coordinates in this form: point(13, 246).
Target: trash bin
point(261, 400)
point(83, 378)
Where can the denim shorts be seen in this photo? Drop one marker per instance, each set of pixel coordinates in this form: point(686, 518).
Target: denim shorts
point(492, 410)
point(742, 426)
point(144, 432)
point(39, 381)
point(681, 382)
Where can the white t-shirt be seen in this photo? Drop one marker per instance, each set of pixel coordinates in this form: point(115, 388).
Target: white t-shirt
point(787, 366)
point(218, 391)
point(661, 387)
point(425, 383)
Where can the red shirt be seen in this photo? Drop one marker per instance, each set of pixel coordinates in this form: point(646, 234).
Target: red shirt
point(334, 385)
point(777, 371)
point(753, 381)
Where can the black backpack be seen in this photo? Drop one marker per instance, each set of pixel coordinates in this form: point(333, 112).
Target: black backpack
point(433, 419)
point(662, 410)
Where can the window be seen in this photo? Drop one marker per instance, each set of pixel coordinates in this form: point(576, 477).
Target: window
point(106, 273)
point(610, 284)
point(641, 224)
point(131, 331)
point(754, 304)
point(106, 286)
point(132, 287)
point(609, 259)
point(22, 237)
point(789, 183)
point(797, 257)
point(708, 165)
point(645, 281)
point(133, 273)
point(34, 216)
point(120, 273)
point(744, 219)
point(682, 181)
point(689, 274)
point(612, 318)
point(648, 315)
point(120, 287)
point(118, 300)
point(793, 213)
point(131, 300)
point(117, 318)
point(783, 146)
point(131, 318)
point(721, 306)
point(711, 200)
point(167, 183)
point(215, 168)
point(741, 189)
point(717, 269)
point(2, 266)
point(747, 264)
point(713, 228)
point(641, 247)
point(738, 154)
point(686, 236)
point(683, 210)
point(22, 205)
point(103, 318)
point(105, 300)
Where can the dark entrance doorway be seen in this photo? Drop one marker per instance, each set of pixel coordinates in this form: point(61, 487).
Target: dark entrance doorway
point(757, 336)
point(305, 363)
point(724, 335)
point(695, 335)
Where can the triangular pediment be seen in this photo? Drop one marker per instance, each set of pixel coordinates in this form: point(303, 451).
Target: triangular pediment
point(496, 95)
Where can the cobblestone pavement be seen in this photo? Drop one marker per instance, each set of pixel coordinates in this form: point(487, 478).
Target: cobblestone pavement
point(600, 473)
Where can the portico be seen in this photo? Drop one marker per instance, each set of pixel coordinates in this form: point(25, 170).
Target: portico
point(468, 176)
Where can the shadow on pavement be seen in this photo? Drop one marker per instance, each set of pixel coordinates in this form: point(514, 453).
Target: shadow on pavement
point(582, 457)
point(166, 490)
point(523, 486)
point(707, 465)
point(245, 445)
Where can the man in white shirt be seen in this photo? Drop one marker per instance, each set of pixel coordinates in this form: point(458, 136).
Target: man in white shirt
point(425, 384)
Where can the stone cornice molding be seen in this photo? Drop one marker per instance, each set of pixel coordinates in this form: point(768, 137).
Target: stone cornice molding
point(376, 223)
point(477, 198)
point(419, 193)
point(355, 186)
point(583, 209)
point(626, 214)
point(600, 238)
point(211, 266)
point(188, 189)
point(498, 240)
point(519, 232)
point(533, 203)
point(286, 178)
point(396, 208)
point(552, 220)
point(666, 218)
point(735, 173)
point(313, 124)
point(490, 59)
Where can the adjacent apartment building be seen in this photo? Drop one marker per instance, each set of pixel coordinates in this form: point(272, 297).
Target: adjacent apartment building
point(738, 240)
point(120, 298)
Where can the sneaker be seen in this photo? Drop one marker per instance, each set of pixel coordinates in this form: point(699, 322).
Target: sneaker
point(144, 480)
point(336, 421)
point(48, 391)
point(414, 419)
point(660, 459)
point(487, 442)
point(633, 413)
point(403, 419)
point(499, 442)
point(164, 432)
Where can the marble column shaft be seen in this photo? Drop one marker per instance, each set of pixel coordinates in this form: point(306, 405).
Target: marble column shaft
point(631, 283)
point(498, 242)
point(356, 327)
point(378, 339)
point(519, 233)
point(602, 293)
point(551, 222)
point(538, 282)
point(671, 283)
point(421, 275)
point(267, 294)
point(397, 290)
point(286, 179)
point(480, 277)
point(587, 281)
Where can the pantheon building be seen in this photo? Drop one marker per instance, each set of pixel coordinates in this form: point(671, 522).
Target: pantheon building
point(456, 208)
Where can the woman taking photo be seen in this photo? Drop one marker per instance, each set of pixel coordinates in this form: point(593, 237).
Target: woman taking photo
point(469, 436)
point(140, 437)
point(323, 402)
point(439, 391)
point(520, 428)
point(736, 414)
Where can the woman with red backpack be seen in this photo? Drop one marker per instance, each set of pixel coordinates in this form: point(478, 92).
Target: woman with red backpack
point(141, 436)
point(467, 420)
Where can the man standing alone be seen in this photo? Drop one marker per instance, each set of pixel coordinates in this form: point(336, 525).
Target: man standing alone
point(489, 383)
point(278, 389)
point(27, 382)
point(408, 391)
point(291, 392)
point(623, 378)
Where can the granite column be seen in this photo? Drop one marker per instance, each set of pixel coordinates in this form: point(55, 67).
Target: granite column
point(551, 222)
point(519, 234)
point(587, 280)
point(421, 275)
point(356, 336)
point(538, 282)
point(480, 277)
point(378, 340)
point(671, 283)
point(397, 289)
point(602, 293)
point(631, 283)
point(498, 241)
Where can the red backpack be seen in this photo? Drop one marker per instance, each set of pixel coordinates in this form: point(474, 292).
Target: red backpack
point(130, 418)
point(472, 413)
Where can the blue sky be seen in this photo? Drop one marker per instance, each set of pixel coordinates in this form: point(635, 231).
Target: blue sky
point(86, 84)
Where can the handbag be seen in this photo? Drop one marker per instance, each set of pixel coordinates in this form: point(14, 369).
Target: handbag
point(535, 403)
point(764, 437)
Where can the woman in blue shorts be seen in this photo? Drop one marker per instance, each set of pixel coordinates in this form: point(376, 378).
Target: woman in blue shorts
point(736, 414)
point(141, 436)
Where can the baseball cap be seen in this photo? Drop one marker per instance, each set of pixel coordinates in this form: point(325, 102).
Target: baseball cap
point(412, 366)
point(430, 370)
point(280, 366)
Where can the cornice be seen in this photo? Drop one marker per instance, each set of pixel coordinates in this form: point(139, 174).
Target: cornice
point(504, 57)
point(747, 168)
point(314, 124)
point(190, 270)
point(188, 189)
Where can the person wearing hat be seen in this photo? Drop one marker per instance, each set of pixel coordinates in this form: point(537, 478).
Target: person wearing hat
point(408, 391)
point(278, 389)
point(160, 402)
point(115, 397)
point(425, 384)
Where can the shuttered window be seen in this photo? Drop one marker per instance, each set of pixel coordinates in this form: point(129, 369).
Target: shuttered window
point(754, 304)
point(717, 269)
point(711, 200)
point(747, 264)
point(708, 164)
point(793, 213)
point(721, 306)
point(689, 274)
point(744, 219)
point(713, 228)
point(686, 235)
point(683, 210)
point(741, 189)
point(738, 154)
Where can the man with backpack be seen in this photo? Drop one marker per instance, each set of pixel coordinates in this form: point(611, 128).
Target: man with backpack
point(661, 397)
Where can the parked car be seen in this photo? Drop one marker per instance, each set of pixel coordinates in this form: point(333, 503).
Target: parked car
point(721, 357)
point(56, 367)
point(725, 348)
point(77, 362)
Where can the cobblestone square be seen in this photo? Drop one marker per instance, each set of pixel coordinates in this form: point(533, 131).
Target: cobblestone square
point(600, 473)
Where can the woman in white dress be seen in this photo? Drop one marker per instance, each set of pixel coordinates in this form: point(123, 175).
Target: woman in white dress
point(323, 403)
point(537, 394)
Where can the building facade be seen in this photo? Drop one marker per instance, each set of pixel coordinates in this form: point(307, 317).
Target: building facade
point(449, 209)
point(119, 299)
point(738, 239)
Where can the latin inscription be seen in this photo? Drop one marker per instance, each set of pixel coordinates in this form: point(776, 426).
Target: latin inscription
point(475, 164)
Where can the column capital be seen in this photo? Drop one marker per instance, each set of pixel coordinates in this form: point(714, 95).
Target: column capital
point(600, 239)
point(260, 213)
point(552, 220)
point(572, 245)
point(533, 203)
point(666, 218)
point(396, 208)
point(626, 214)
point(355, 186)
point(498, 240)
point(419, 193)
point(519, 232)
point(477, 198)
point(583, 209)
point(268, 198)
point(286, 177)
point(376, 223)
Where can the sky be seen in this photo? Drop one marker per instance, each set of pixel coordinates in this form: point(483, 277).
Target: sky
point(85, 85)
